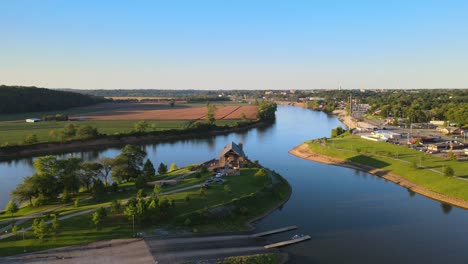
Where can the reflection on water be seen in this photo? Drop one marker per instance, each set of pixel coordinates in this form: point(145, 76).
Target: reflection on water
point(411, 192)
point(352, 216)
point(446, 208)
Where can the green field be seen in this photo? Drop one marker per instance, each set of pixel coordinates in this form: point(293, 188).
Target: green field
point(79, 229)
point(399, 160)
point(16, 132)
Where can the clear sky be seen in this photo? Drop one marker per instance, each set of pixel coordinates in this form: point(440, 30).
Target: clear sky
point(222, 44)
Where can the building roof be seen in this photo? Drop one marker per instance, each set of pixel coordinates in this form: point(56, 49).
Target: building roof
point(234, 147)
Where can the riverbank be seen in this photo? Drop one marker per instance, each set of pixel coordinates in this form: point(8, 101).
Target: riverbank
point(280, 179)
point(52, 148)
point(231, 206)
point(303, 151)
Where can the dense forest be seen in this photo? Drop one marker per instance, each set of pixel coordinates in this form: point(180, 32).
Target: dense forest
point(148, 92)
point(18, 99)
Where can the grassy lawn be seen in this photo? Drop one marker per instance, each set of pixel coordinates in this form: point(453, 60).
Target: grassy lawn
point(16, 132)
point(399, 159)
point(76, 230)
point(79, 229)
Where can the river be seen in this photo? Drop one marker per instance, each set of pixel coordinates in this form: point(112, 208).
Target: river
point(352, 217)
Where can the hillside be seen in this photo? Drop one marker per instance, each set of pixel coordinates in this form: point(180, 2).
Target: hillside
point(18, 99)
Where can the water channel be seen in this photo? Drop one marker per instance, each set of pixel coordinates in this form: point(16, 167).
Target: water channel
point(352, 217)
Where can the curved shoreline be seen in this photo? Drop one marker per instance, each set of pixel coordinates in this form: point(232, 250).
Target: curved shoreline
point(251, 223)
point(303, 151)
point(53, 148)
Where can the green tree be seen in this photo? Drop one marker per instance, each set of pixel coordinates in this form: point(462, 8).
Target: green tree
point(76, 203)
point(25, 191)
point(148, 169)
point(173, 167)
point(55, 228)
point(31, 139)
point(266, 111)
point(260, 176)
point(97, 219)
point(210, 116)
point(157, 189)
point(140, 182)
point(40, 228)
point(449, 171)
point(98, 190)
point(451, 156)
point(162, 169)
point(87, 131)
point(127, 165)
point(106, 167)
point(11, 207)
point(69, 131)
point(116, 207)
point(141, 126)
point(89, 172)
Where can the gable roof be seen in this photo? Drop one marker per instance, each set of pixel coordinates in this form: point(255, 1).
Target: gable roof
point(234, 147)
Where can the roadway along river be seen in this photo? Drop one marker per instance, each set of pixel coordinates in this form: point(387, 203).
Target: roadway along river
point(352, 217)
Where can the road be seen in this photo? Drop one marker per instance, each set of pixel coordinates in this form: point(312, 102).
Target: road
point(203, 248)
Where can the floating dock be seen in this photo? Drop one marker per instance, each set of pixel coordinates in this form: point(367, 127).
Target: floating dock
point(276, 231)
point(287, 242)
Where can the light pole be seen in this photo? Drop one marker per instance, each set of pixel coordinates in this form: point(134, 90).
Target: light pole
point(133, 218)
point(24, 244)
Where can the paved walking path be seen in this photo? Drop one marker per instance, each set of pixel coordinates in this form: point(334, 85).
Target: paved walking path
point(21, 219)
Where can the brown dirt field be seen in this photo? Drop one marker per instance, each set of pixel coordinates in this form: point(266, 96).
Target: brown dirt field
point(126, 112)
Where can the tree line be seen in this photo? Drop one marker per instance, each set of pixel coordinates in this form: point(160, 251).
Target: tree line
point(19, 99)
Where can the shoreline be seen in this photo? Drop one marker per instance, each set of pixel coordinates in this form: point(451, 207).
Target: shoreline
point(54, 148)
point(302, 151)
point(251, 223)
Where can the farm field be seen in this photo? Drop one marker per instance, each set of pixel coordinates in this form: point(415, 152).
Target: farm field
point(113, 118)
point(135, 110)
point(176, 113)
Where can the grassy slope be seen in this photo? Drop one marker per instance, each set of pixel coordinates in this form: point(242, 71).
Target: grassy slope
point(382, 155)
point(79, 229)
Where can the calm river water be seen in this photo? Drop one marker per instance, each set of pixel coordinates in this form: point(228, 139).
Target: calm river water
point(352, 217)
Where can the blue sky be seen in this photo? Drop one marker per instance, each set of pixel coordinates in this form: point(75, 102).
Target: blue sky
point(234, 44)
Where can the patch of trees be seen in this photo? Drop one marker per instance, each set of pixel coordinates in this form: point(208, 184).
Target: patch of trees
point(266, 111)
point(18, 99)
point(195, 95)
point(337, 131)
point(56, 178)
point(57, 117)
